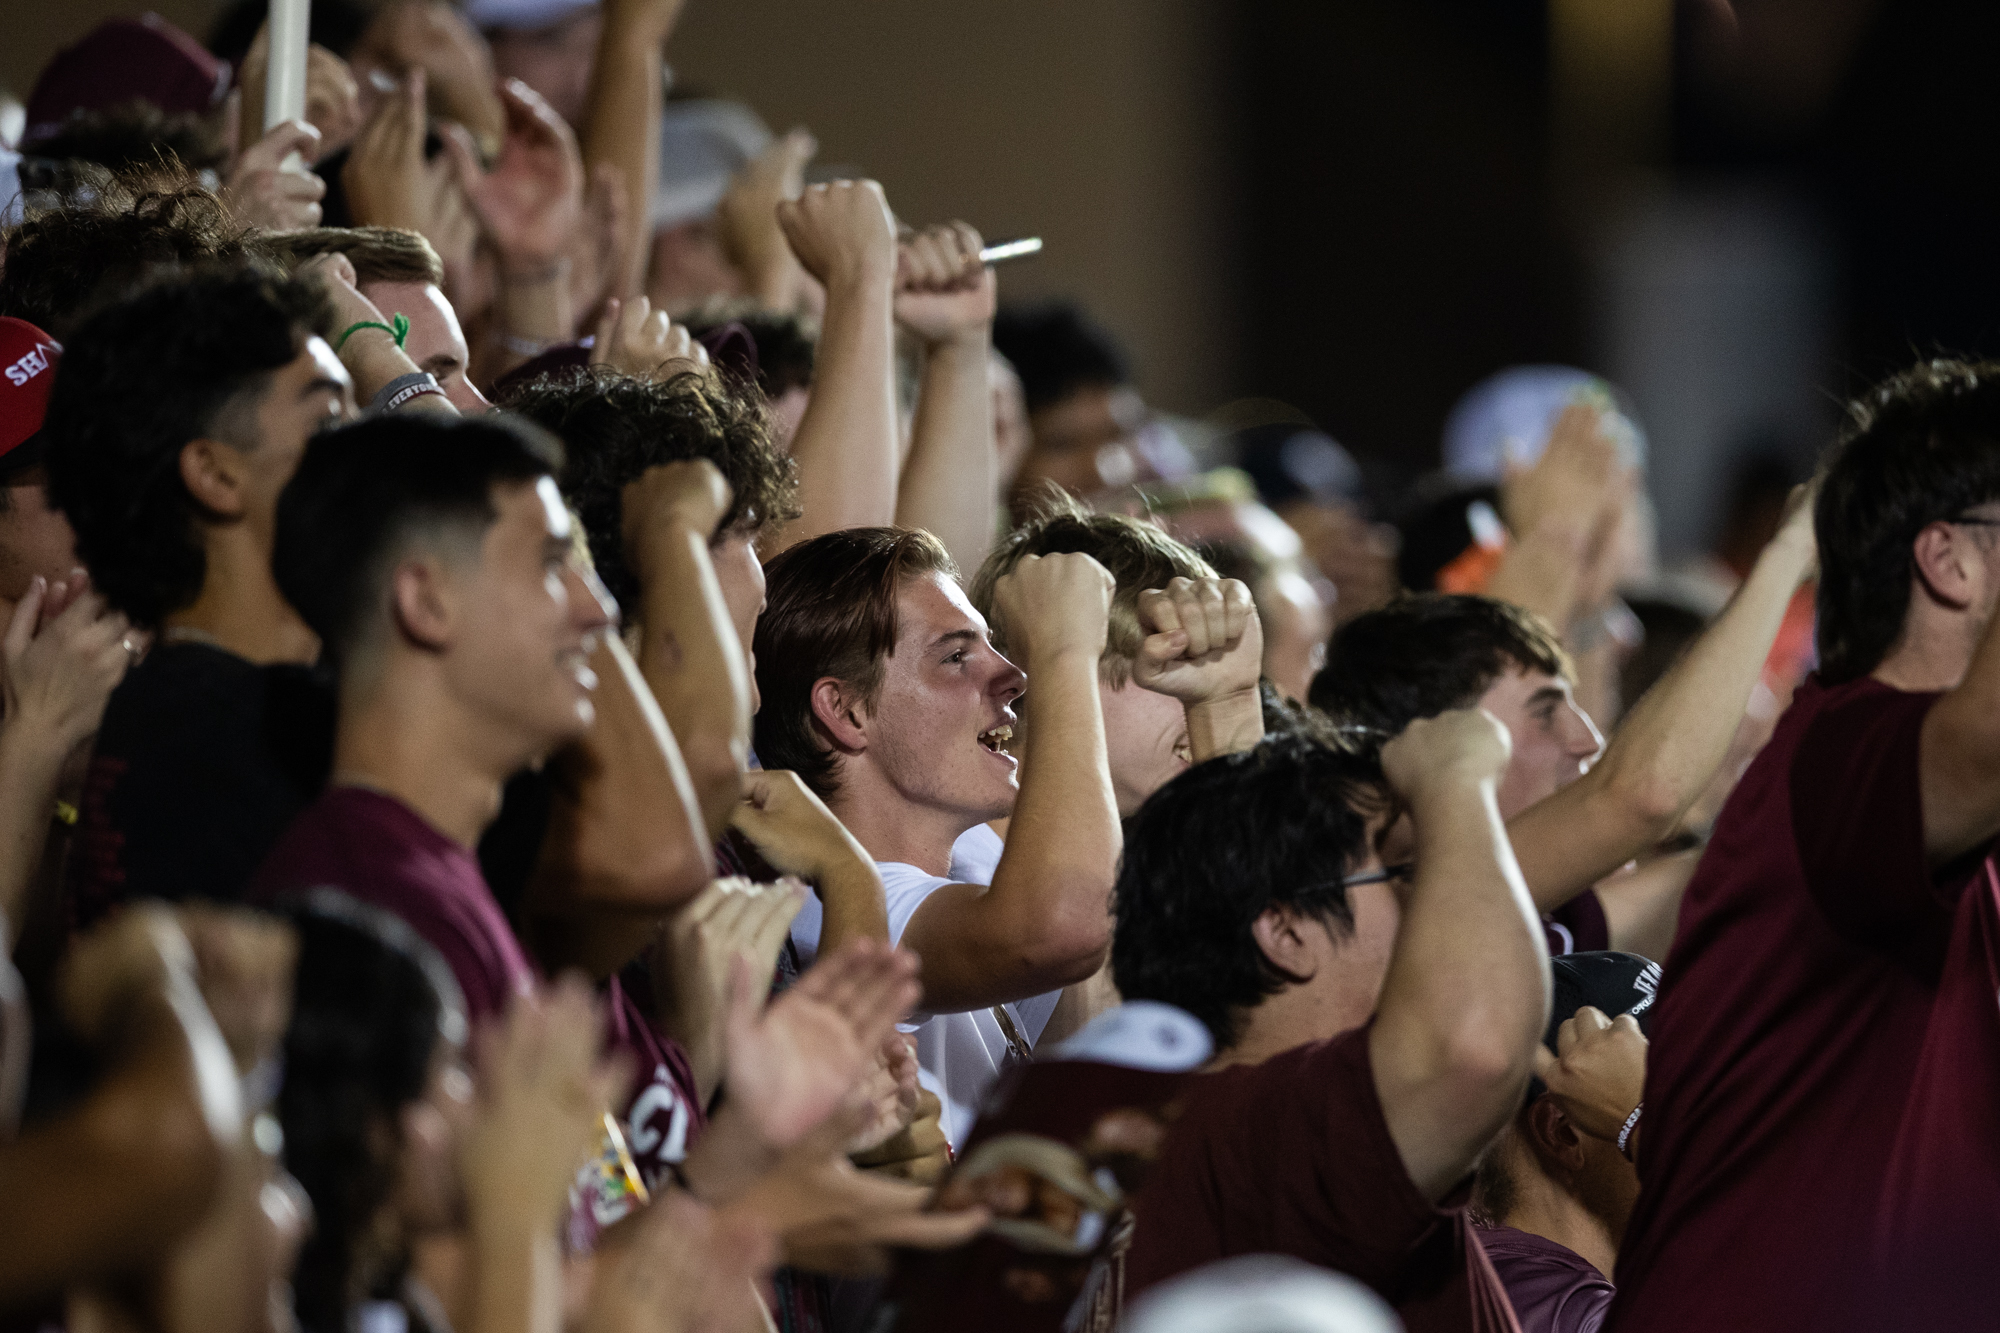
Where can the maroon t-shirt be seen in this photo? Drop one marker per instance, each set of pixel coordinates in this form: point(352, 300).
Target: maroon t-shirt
point(382, 852)
point(1293, 1157)
point(1786, 1036)
point(1578, 926)
point(1938, 1263)
point(1553, 1288)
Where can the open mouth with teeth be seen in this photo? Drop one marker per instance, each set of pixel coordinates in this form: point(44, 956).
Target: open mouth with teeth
point(995, 739)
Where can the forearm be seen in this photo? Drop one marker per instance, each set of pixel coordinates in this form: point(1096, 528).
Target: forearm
point(845, 445)
point(694, 666)
point(1542, 571)
point(1048, 912)
point(535, 302)
point(30, 774)
point(1226, 725)
point(948, 483)
point(621, 124)
point(1467, 992)
point(516, 1283)
point(851, 904)
point(373, 359)
point(1668, 749)
point(625, 838)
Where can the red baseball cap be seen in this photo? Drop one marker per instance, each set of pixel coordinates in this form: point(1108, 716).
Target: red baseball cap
point(27, 373)
point(120, 60)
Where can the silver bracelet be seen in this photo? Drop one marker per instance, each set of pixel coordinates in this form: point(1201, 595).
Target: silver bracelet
point(1625, 1134)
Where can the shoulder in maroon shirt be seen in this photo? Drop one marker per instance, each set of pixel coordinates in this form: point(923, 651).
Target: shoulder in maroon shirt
point(1552, 1288)
point(1939, 1227)
point(382, 852)
point(1293, 1157)
point(1786, 1037)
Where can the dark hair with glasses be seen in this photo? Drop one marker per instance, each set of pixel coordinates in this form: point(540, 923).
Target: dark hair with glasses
point(1280, 825)
point(1922, 447)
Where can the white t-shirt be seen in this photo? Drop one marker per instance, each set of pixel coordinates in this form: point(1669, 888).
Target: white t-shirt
point(960, 1054)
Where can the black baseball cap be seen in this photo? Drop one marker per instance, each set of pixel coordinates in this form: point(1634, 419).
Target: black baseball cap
point(1615, 983)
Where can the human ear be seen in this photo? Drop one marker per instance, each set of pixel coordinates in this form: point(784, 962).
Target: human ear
point(213, 474)
point(839, 715)
point(1555, 1137)
point(420, 603)
point(1280, 933)
point(1940, 555)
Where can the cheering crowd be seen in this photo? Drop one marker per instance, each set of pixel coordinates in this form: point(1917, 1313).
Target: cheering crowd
point(579, 711)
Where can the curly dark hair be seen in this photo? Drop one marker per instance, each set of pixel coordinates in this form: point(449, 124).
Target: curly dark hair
point(188, 357)
point(370, 1003)
point(136, 134)
point(616, 426)
point(64, 263)
point(1278, 825)
point(1922, 446)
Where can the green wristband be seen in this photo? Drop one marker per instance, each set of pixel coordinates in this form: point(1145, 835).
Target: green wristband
point(400, 331)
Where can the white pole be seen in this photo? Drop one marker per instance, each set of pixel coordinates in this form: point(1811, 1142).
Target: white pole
point(285, 76)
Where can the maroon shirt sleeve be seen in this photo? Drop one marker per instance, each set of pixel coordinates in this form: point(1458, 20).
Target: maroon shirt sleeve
point(1857, 815)
point(1294, 1157)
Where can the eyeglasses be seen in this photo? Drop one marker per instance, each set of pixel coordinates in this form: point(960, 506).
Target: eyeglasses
point(1402, 870)
point(1975, 522)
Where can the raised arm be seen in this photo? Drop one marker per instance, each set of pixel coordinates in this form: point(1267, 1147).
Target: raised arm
point(621, 115)
point(793, 830)
point(947, 298)
point(1562, 511)
point(1205, 647)
point(625, 839)
point(846, 445)
point(689, 651)
point(1046, 920)
point(1672, 741)
point(1467, 993)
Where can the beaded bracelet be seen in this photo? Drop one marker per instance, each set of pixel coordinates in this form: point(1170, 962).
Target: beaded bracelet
point(1625, 1134)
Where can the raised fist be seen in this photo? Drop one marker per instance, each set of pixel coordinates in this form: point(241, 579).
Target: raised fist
point(1055, 603)
point(1464, 745)
point(1203, 640)
point(841, 232)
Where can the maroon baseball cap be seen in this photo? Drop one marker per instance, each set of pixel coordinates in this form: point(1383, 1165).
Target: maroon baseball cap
point(27, 372)
point(121, 60)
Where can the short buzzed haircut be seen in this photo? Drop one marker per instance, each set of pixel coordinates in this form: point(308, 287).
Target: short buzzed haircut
point(616, 426)
point(379, 254)
point(1137, 554)
point(364, 494)
point(830, 610)
point(1426, 654)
